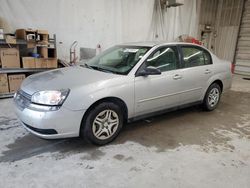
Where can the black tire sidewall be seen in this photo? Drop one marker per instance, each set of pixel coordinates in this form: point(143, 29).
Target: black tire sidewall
point(206, 103)
point(86, 129)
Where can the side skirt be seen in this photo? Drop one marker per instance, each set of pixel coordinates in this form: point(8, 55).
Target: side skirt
point(136, 118)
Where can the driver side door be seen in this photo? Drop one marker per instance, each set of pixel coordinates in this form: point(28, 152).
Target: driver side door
point(158, 92)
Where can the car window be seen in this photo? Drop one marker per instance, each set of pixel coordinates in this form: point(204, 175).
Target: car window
point(193, 56)
point(165, 59)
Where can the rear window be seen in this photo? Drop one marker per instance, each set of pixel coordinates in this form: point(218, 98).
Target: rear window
point(193, 56)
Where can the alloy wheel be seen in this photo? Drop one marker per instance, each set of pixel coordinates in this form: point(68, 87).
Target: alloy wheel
point(105, 124)
point(213, 97)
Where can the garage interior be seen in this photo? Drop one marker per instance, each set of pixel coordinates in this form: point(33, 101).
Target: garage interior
point(184, 148)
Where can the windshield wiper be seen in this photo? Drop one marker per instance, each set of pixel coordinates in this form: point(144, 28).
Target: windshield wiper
point(105, 70)
point(87, 66)
point(99, 68)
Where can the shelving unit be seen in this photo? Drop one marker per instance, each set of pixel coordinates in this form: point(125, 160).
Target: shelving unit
point(22, 70)
point(6, 95)
point(18, 42)
point(21, 45)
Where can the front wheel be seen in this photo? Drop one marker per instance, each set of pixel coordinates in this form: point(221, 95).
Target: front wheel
point(103, 123)
point(212, 97)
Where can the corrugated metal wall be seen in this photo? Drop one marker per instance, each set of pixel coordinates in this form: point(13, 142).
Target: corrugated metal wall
point(228, 17)
point(208, 12)
point(242, 57)
point(224, 17)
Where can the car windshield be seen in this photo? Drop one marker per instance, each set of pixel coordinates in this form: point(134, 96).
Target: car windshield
point(118, 59)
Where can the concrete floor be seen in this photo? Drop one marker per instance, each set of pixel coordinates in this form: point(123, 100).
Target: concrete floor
point(186, 148)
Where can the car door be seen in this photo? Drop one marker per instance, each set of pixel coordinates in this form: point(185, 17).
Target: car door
point(157, 92)
point(195, 71)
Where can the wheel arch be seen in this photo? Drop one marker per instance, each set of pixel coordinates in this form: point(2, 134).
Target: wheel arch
point(219, 82)
point(115, 100)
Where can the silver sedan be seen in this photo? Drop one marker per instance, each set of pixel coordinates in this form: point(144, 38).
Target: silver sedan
point(124, 83)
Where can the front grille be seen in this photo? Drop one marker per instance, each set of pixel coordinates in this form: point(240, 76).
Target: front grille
point(22, 99)
point(24, 94)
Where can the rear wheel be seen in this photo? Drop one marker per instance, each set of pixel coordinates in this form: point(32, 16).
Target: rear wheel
point(103, 123)
point(212, 97)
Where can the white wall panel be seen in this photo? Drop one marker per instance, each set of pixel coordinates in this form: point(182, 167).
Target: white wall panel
point(104, 22)
point(92, 22)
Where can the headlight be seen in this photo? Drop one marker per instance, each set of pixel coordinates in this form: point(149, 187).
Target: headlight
point(51, 97)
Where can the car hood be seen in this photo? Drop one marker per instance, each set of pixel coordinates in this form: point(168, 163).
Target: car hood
point(64, 78)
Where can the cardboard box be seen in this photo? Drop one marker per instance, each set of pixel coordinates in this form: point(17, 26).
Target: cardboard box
point(40, 63)
point(42, 32)
point(15, 81)
point(51, 62)
point(29, 62)
point(4, 86)
point(10, 39)
point(23, 33)
point(43, 51)
point(43, 35)
point(43, 43)
point(9, 58)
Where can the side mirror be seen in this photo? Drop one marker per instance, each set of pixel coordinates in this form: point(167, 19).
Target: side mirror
point(150, 70)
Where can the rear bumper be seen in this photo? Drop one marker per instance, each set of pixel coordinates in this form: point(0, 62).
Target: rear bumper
point(227, 82)
point(62, 123)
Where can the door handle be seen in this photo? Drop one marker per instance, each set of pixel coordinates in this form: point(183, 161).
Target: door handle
point(177, 77)
point(207, 71)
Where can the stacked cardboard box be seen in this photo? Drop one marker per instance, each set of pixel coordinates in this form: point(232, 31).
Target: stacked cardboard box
point(43, 37)
point(10, 39)
point(4, 86)
point(15, 81)
point(31, 62)
point(40, 63)
point(10, 83)
point(48, 56)
point(9, 58)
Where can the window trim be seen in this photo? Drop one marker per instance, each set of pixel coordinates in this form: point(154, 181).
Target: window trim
point(142, 66)
point(182, 66)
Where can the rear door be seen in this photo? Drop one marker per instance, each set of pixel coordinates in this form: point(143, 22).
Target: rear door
point(195, 70)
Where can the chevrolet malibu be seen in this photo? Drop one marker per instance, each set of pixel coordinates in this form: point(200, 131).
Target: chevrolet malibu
point(124, 83)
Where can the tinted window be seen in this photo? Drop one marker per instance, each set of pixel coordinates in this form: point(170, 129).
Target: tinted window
point(195, 57)
point(164, 59)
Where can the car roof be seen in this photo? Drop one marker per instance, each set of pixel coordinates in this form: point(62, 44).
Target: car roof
point(157, 43)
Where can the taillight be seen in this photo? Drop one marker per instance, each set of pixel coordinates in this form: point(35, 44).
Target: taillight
point(232, 67)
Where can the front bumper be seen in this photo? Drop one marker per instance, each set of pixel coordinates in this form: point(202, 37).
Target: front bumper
point(62, 123)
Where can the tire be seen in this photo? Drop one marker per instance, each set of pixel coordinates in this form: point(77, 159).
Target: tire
point(212, 97)
point(102, 124)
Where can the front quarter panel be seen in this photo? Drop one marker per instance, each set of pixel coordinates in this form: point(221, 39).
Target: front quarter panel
point(81, 98)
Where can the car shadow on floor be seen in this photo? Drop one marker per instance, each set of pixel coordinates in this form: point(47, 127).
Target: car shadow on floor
point(139, 131)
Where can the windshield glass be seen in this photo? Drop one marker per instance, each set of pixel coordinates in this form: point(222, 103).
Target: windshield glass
point(118, 59)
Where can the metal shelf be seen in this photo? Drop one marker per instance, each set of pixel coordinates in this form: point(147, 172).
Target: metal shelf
point(18, 41)
point(21, 41)
point(22, 70)
point(6, 95)
point(45, 46)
